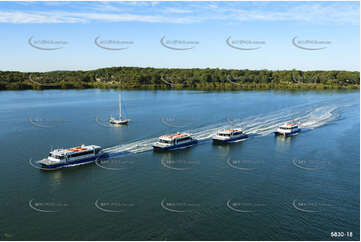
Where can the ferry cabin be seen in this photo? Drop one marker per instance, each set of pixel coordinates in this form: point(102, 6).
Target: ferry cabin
point(174, 141)
point(72, 156)
point(230, 132)
point(229, 135)
point(288, 129)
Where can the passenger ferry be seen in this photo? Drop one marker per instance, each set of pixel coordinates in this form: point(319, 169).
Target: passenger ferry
point(288, 129)
point(174, 141)
point(72, 157)
point(229, 136)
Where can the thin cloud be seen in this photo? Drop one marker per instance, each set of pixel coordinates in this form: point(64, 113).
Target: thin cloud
point(177, 10)
point(192, 12)
point(61, 17)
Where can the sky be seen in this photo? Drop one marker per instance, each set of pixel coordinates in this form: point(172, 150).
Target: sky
point(49, 36)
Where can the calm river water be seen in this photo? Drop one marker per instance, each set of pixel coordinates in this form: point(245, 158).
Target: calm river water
point(264, 188)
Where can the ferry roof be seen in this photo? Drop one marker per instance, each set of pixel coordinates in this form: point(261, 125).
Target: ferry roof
point(288, 124)
point(74, 149)
point(228, 131)
point(174, 136)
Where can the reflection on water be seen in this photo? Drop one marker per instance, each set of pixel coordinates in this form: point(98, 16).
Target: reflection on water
point(55, 177)
point(283, 144)
point(223, 149)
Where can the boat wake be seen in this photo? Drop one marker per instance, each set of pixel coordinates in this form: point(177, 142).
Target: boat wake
point(307, 116)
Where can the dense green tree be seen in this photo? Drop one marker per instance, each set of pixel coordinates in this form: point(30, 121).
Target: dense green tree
point(164, 78)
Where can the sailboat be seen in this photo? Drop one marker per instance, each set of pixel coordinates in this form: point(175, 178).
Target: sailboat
point(112, 120)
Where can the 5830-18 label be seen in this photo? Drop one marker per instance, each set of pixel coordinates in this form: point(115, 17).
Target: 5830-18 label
point(341, 234)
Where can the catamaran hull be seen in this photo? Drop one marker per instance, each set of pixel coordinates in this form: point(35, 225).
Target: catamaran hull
point(175, 147)
point(287, 134)
point(232, 140)
point(71, 163)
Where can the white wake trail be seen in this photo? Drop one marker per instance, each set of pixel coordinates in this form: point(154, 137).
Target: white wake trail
point(309, 118)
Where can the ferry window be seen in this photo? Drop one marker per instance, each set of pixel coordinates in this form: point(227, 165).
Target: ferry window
point(83, 153)
point(183, 139)
point(164, 141)
point(55, 156)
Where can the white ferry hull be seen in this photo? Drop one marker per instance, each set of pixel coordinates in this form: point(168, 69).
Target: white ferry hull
point(286, 134)
point(46, 164)
point(174, 147)
point(222, 139)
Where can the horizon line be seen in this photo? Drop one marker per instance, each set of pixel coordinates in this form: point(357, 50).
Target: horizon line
point(178, 68)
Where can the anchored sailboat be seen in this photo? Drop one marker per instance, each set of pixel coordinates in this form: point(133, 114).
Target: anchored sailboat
point(112, 120)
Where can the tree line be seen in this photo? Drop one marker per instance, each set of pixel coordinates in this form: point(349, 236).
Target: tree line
point(164, 78)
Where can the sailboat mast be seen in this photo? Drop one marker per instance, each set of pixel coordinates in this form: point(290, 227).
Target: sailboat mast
point(120, 107)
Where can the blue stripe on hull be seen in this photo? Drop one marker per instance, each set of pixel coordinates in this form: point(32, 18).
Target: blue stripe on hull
point(73, 163)
point(230, 140)
point(174, 147)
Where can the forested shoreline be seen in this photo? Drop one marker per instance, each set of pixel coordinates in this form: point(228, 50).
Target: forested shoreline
point(191, 79)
